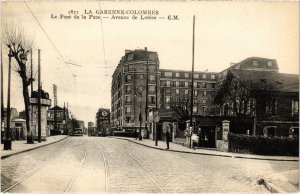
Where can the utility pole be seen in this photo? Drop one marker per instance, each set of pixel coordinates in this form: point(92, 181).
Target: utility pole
point(39, 97)
point(2, 101)
point(192, 92)
point(31, 69)
point(156, 102)
point(7, 141)
point(146, 107)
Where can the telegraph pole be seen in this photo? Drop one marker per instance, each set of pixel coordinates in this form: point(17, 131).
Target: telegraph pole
point(31, 69)
point(156, 103)
point(7, 141)
point(192, 92)
point(39, 97)
point(146, 107)
point(2, 101)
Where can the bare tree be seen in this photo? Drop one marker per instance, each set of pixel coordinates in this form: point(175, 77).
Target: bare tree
point(238, 96)
point(19, 45)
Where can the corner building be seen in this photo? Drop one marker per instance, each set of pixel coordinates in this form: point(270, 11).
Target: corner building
point(136, 70)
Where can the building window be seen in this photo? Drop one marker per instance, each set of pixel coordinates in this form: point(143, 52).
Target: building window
point(195, 93)
point(168, 83)
point(128, 88)
point(255, 62)
point(270, 63)
point(204, 93)
point(204, 85)
point(186, 92)
point(168, 91)
point(128, 99)
point(152, 56)
point(186, 75)
point(186, 84)
point(196, 75)
point(152, 99)
point(204, 76)
point(177, 91)
point(168, 74)
point(152, 77)
point(127, 110)
point(213, 85)
point(167, 107)
point(167, 99)
point(141, 76)
point(271, 107)
point(204, 101)
point(151, 88)
point(130, 56)
point(295, 107)
point(177, 83)
point(213, 76)
point(195, 110)
point(177, 74)
point(128, 77)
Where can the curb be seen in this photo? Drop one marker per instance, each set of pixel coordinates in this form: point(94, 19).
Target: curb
point(218, 155)
point(30, 149)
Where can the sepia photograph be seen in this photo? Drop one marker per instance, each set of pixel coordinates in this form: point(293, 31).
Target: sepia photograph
point(137, 96)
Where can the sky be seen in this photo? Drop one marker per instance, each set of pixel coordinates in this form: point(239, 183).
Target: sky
point(225, 32)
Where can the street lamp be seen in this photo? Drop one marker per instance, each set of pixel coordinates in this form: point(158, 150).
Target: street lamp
point(140, 115)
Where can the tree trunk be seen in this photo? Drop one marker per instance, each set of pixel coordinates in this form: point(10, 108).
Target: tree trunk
point(26, 103)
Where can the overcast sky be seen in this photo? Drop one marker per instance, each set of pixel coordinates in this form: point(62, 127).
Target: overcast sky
point(225, 32)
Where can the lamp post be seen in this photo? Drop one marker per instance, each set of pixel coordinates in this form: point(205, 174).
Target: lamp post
point(192, 92)
point(140, 119)
point(156, 101)
point(146, 98)
point(7, 141)
point(140, 115)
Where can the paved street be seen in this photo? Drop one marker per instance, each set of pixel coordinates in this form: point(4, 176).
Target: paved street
point(101, 164)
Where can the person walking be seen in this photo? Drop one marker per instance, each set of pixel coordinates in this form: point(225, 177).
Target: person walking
point(168, 138)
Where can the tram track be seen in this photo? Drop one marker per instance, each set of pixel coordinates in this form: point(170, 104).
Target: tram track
point(28, 175)
point(143, 168)
point(106, 169)
point(80, 167)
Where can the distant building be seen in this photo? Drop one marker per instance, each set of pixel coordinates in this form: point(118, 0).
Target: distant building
point(56, 120)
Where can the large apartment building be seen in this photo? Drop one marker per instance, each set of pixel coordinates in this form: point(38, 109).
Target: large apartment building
point(136, 70)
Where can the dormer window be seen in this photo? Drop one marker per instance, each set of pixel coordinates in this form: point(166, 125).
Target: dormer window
point(255, 62)
point(269, 63)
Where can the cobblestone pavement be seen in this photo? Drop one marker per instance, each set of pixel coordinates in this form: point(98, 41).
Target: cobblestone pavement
point(131, 168)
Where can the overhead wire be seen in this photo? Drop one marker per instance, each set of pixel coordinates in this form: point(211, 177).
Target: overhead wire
point(55, 48)
point(102, 34)
point(58, 52)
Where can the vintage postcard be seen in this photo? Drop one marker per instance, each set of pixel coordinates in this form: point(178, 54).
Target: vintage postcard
point(149, 96)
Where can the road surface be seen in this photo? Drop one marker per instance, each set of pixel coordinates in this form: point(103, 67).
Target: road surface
point(103, 164)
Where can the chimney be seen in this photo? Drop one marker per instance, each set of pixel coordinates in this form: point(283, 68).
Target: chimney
point(145, 48)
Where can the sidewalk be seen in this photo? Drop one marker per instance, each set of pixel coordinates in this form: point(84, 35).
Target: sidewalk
point(274, 182)
point(21, 146)
point(179, 148)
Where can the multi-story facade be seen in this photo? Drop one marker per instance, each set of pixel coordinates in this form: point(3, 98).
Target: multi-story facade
point(130, 81)
point(134, 79)
point(175, 83)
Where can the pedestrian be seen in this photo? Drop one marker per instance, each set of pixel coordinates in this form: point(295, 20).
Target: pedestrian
point(167, 137)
